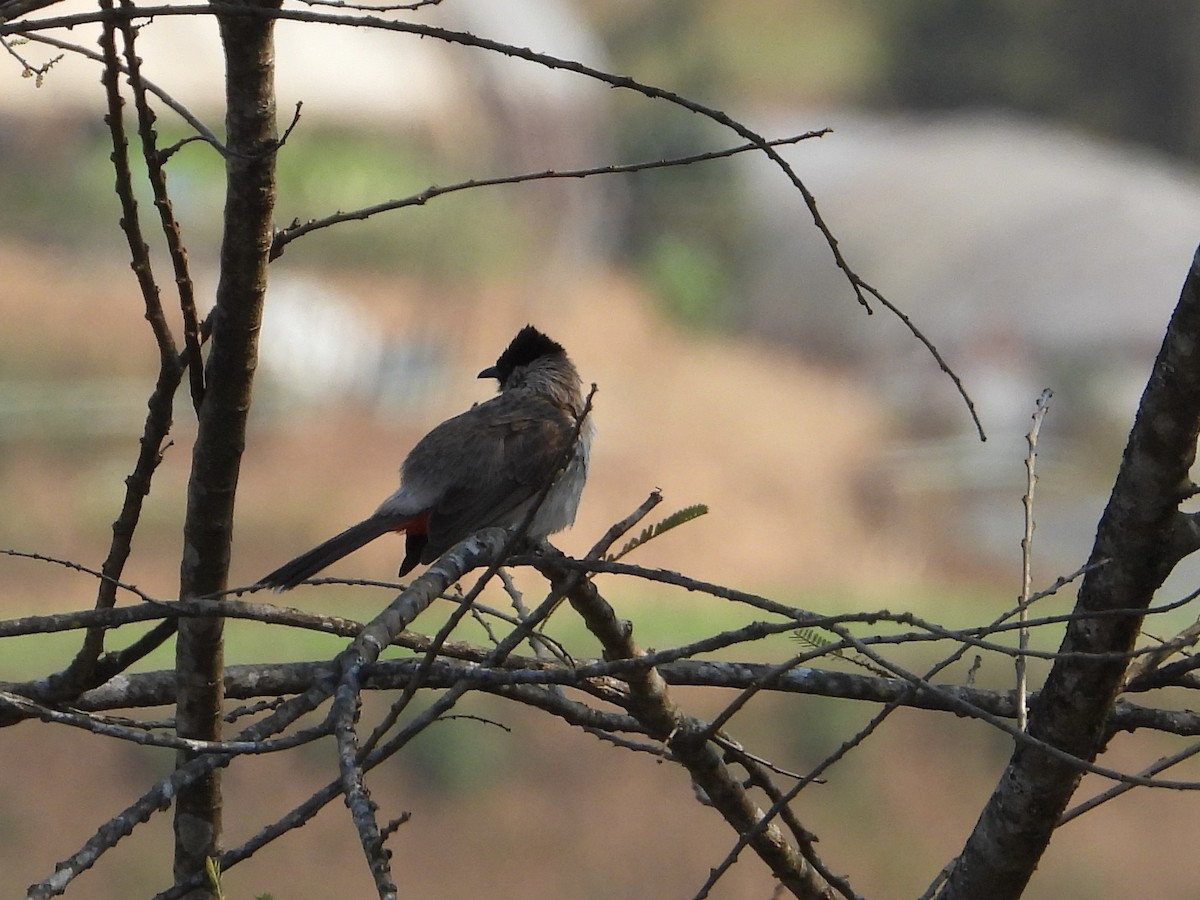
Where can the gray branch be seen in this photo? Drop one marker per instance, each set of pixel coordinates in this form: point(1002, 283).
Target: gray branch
point(1142, 535)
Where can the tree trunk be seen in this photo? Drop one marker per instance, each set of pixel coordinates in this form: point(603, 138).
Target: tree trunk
point(229, 374)
point(1141, 535)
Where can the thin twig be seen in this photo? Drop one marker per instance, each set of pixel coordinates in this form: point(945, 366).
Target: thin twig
point(157, 176)
point(298, 229)
point(1118, 789)
point(78, 567)
point(203, 132)
point(81, 672)
point(860, 287)
point(1031, 439)
point(28, 69)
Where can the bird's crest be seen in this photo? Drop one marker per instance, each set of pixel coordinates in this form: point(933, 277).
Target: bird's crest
point(528, 345)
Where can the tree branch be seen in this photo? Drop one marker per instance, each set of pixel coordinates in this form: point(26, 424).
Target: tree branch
point(857, 284)
point(1135, 535)
point(298, 229)
point(685, 737)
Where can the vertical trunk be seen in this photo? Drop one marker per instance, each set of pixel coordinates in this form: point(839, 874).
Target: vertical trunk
point(1142, 534)
point(229, 374)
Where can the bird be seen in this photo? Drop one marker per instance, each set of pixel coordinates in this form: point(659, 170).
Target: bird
point(484, 467)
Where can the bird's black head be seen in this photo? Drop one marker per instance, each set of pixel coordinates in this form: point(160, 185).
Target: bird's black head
point(529, 345)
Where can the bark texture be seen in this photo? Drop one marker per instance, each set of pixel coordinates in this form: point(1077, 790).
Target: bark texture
point(216, 457)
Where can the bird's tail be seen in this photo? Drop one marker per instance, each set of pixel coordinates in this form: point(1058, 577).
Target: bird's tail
point(308, 564)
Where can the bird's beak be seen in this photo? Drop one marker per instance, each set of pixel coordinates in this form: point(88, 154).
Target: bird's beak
point(490, 372)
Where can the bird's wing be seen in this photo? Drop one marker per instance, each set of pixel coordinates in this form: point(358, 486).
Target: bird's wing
point(490, 460)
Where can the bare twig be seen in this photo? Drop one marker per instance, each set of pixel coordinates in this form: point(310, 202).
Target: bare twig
point(81, 673)
point(860, 287)
point(157, 177)
point(1117, 790)
point(370, 8)
point(298, 229)
point(137, 733)
point(1031, 439)
point(28, 69)
point(1148, 671)
point(203, 132)
point(78, 567)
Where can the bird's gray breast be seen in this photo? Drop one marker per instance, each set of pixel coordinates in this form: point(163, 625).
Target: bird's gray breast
point(558, 510)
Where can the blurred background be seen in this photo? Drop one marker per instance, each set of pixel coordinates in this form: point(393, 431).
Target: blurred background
point(1020, 178)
